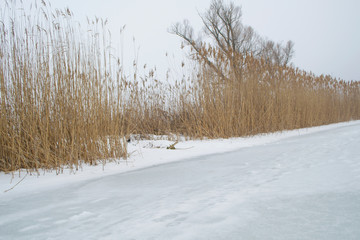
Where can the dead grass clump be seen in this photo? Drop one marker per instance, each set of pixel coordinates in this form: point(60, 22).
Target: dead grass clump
point(59, 101)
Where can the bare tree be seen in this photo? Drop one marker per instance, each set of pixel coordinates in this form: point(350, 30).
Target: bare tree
point(234, 41)
point(186, 32)
point(276, 53)
point(288, 52)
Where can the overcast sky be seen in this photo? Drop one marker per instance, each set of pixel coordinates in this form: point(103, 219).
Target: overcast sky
point(326, 33)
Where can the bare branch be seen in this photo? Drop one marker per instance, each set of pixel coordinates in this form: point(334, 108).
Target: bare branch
point(222, 23)
point(185, 31)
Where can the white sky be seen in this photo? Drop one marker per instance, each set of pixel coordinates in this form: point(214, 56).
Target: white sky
point(326, 32)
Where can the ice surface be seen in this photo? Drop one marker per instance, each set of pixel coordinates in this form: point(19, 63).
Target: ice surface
point(303, 186)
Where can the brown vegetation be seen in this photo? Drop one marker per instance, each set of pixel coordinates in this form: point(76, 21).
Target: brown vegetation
point(58, 103)
point(65, 99)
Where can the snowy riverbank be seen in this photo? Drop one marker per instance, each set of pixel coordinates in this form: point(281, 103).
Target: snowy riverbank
point(143, 154)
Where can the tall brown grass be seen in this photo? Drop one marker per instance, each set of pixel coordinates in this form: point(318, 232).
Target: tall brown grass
point(267, 98)
point(65, 99)
point(59, 103)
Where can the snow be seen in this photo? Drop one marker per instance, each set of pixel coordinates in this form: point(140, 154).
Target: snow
point(300, 184)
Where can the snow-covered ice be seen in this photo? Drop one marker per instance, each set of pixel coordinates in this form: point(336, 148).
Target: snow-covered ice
point(301, 184)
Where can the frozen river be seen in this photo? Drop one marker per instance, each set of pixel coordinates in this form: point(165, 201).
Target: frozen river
point(305, 187)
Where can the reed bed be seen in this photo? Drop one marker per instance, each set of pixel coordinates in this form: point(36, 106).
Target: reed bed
point(59, 105)
point(267, 98)
point(65, 99)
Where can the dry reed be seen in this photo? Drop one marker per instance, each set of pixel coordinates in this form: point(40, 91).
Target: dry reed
point(59, 103)
point(65, 99)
